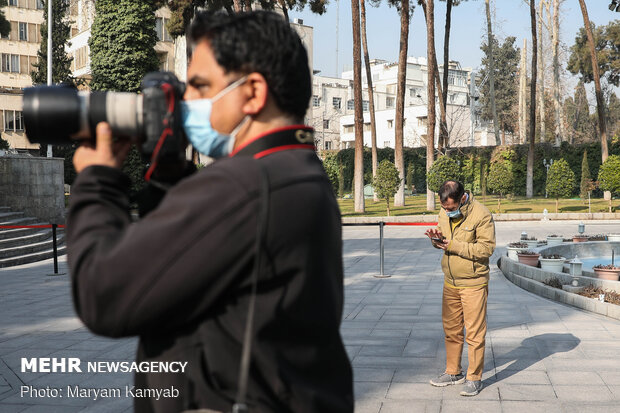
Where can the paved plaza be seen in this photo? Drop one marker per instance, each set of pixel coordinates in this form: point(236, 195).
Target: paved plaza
point(541, 356)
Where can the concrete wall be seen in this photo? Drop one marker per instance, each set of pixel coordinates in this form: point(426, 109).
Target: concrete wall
point(34, 186)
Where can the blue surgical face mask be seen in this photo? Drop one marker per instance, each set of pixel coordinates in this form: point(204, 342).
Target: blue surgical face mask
point(196, 117)
point(454, 214)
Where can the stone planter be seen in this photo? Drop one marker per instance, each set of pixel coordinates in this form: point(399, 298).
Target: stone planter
point(512, 252)
point(554, 241)
point(613, 237)
point(607, 274)
point(529, 259)
point(531, 243)
point(577, 238)
point(552, 264)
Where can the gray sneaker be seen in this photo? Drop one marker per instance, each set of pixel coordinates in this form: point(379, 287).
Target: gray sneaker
point(446, 379)
point(471, 388)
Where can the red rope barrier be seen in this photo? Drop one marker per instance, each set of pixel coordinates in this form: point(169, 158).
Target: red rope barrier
point(28, 226)
point(417, 224)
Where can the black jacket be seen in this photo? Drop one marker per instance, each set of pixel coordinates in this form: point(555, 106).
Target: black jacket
point(180, 279)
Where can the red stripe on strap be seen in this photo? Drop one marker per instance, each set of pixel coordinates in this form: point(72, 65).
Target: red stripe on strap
point(282, 148)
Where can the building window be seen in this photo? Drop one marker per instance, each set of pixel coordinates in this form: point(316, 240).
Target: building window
point(386, 144)
point(325, 123)
point(366, 127)
point(389, 102)
point(9, 120)
point(337, 103)
point(13, 3)
point(349, 128)
point(23, 32)
point(81, 57)
point(41, 4)
point(422, 122)
point(350, 104)
point(390, 123)
point(316, 101)
point(365, 105)
point(162, 31)
point(19, 121)
point(328, 145)
point(10, 63)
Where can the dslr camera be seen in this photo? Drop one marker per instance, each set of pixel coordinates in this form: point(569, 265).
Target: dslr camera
point(59, 115)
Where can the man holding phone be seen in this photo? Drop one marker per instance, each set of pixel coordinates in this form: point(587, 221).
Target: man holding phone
point(466, 232)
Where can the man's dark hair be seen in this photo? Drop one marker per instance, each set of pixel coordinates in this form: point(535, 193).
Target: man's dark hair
point(451, 189)
point(262, 42)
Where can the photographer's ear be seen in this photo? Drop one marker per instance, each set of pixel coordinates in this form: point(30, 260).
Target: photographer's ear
point(256, 91)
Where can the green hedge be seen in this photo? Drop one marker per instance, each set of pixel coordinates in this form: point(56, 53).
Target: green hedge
point(474, 164)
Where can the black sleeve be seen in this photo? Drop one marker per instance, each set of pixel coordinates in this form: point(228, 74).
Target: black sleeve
point(166, 270)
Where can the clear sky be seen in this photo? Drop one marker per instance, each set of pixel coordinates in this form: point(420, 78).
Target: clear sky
point(511, 18)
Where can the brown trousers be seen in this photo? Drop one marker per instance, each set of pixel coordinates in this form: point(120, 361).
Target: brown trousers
point(465, 308)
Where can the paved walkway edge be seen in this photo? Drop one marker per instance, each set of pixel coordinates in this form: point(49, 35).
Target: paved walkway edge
point(555, 294)
point(497, 217)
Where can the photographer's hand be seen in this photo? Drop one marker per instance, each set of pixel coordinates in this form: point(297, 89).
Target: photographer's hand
point(107, 152)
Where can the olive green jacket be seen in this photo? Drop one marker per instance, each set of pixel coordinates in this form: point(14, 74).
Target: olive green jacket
point(466, 260)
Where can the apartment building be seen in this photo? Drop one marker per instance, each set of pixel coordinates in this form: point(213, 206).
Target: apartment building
point(333, 107)
point(18, 52)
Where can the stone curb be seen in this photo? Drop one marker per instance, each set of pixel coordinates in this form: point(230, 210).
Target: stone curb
point(497, 217)
point(561, 296)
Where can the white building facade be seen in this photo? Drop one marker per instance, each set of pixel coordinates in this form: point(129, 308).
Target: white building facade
point(333, 99)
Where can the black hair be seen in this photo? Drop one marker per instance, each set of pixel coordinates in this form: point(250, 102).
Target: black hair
point(262, 42)
point(451, 189)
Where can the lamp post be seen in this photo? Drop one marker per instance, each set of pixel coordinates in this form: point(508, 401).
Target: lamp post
point(547, 165)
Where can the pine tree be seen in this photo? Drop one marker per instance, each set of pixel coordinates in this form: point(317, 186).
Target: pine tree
point(122, 44)
point(61, 61)
point(586, 181)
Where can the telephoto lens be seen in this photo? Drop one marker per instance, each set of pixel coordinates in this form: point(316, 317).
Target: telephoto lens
point(57, 115)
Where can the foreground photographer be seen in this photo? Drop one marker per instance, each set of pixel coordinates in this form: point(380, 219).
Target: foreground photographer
point(257, 229)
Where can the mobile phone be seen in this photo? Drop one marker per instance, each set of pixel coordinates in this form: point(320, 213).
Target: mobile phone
point(437, 239)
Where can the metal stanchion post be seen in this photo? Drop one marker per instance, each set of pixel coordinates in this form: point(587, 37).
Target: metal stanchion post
point(55, 250)
point(55, 246)
point(381, 252)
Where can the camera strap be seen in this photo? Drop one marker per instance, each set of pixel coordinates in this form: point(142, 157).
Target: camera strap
point(286, 138)
point(240, 405)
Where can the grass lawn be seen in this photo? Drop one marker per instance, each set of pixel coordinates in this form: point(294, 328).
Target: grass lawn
point(416, 205)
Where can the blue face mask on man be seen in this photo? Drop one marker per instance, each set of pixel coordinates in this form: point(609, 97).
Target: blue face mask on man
point(457, 212)
point(454, 214)
point(196, 118)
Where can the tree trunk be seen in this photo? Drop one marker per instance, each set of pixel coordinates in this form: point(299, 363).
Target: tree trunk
point(499, 204)
point(432, 62)
point(399, 198)
point(600, 105)
point(540, 91)
point(529, 187)
point(442, 142)
point(557, 201)
point(371, 98)
point(284, 9)
point(358, 194)
point(443, 131)
point(560, 134)
point(522, 94)
point(387, 202)
point(492, 73)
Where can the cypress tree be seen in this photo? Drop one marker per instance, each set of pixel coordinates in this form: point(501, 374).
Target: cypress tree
point(61, 61)
point(122, 44)
point(122, 51)
point(585, 177)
